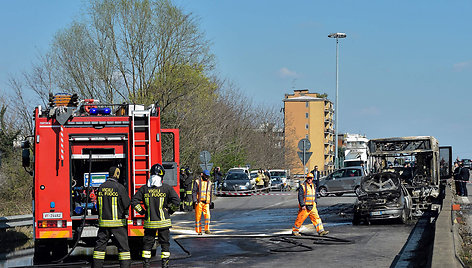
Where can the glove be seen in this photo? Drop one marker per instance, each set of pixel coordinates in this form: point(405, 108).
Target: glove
point(212, 205)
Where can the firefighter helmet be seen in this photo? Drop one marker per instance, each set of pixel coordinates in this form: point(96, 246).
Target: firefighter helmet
point(158, 169)
point(114, 173)
point(310, 176)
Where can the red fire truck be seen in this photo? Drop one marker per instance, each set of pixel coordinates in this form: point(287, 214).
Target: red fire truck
point(75, 144)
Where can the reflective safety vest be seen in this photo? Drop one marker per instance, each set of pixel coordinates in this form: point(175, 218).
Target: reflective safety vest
point(309, 194)
point(204, 191)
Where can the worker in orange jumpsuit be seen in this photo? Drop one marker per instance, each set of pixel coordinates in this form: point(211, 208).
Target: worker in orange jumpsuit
point(307, 207)
point(202, 191)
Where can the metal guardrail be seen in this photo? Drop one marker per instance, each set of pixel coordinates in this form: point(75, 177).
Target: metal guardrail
point(16, 221)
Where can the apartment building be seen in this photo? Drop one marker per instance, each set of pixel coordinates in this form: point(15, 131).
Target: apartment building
point(307, 115)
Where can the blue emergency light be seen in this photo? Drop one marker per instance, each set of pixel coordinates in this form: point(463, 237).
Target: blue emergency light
point(103, 111)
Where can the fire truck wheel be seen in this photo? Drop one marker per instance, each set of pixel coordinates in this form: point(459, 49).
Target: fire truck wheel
point(41, 252)
point(48, 250)
point(59, 249)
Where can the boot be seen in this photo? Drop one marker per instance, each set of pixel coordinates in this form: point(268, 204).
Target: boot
point(323, 233)
point(165, 262)
point(146, 263)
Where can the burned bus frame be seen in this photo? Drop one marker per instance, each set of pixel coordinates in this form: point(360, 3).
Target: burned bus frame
point(423, 152)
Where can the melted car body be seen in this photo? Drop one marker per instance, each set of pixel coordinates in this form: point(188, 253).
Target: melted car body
point(382, 196)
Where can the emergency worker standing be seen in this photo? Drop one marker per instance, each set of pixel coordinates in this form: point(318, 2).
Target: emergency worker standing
point(113, 203)
point(457, 178)
point(183, 177)
point(465, 175)
point(188, 204)
point(307, 207)
point(202, 191)
point(160, 201)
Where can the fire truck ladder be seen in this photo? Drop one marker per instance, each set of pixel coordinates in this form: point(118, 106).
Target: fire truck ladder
point(141, 158)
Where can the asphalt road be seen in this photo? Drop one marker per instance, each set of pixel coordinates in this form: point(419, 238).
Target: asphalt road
point(255, 231)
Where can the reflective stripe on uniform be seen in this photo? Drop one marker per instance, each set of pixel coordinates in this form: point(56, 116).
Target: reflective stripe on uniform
point(138, 208)
point(100, 207)
point(114, 208)
point(146, 204)
point(99, 255)
point(124, 256)
point(111, 223)
point(146, 254)
point(157, 224)
point(165, 255)
point(161, 204)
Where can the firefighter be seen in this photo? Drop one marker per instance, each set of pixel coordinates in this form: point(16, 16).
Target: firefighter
point(160, 201)
point(202, 192)
point(183, 177)
point(307, 207)
point(113, 203)
point(188, 202)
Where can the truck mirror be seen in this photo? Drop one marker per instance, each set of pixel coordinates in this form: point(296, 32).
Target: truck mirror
point(25, 157)
point(25, 144)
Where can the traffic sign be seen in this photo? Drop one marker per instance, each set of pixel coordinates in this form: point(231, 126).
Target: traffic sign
point(304, 156)
point(206, 166)
point(304, 144)
point(205, 157)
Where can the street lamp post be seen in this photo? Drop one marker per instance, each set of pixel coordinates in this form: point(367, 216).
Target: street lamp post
point(336, 110)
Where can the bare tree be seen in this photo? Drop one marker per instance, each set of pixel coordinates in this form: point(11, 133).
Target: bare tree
point(122, 48)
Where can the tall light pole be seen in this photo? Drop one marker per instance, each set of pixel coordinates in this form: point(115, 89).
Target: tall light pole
point(336, 110)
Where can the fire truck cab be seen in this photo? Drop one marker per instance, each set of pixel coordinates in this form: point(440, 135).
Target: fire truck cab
point(74, 145)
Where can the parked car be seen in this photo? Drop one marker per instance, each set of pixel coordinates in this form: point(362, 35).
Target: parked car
point(237, 181)
point(239, 169)
point(278, 178)
point(341, 181)
point(382, 196)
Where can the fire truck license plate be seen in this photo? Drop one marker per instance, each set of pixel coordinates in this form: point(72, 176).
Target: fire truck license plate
point(53, 215)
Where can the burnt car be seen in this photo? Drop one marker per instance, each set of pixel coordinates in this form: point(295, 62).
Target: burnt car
point(382, 196)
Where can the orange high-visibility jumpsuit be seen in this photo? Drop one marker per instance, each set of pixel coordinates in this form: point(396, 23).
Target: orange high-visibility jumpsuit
point(306, 197)
point(202, 199)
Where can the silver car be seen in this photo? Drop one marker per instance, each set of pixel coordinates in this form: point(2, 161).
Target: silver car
point(341, 181)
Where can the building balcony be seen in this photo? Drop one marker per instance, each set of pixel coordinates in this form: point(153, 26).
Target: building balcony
point(329, 131)
point(328, 142)
point(328, 153)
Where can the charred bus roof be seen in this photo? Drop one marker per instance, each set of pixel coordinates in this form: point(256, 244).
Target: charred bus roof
point(403, 145)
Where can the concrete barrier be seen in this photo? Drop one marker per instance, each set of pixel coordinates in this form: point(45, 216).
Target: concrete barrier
point(444, 252)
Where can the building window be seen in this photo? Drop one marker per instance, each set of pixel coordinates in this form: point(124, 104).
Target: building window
point(306, 115)
point(306, 136)
point(306, 104)
point(306, 126)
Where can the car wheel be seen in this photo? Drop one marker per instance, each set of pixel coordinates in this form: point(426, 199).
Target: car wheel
point(357, 190)
point(356, 220)
point(323, 191)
